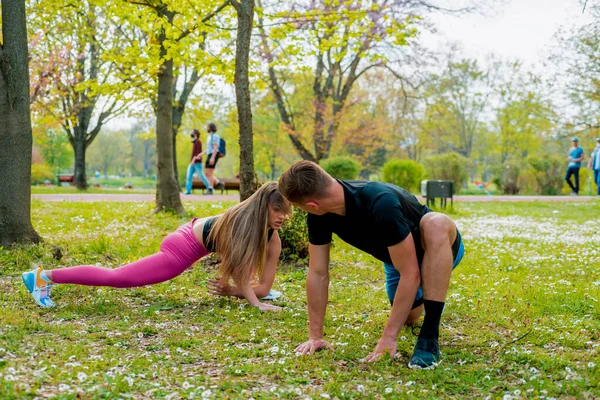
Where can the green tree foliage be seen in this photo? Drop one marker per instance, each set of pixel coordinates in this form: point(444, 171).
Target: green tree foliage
point(457, 101)
point(338, 42)
point(341, 167)
point(549, 173)
point(55, 148)
point(448, 167)
point(77, 76)
point(110, 153)
point(404, 173)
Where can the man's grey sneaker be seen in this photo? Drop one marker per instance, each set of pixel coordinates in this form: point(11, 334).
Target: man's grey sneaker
point(426, 354)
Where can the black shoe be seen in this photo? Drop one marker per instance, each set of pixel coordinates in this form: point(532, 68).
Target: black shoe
point(426, 354)
point(209, 191)
point(220, 185)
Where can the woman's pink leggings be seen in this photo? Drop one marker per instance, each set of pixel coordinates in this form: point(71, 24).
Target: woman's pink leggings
point(179, 251)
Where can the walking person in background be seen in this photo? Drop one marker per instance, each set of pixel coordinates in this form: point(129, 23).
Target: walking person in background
point(575, 158)
point(594, 164)
point(195, 163)
point(212, 152)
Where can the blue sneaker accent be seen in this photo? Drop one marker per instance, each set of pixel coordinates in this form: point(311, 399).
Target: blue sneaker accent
point(29, 280)
point(426, 354)
point(273, 294)
point(41, 294)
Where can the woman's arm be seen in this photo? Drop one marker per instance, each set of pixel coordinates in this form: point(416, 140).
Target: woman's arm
point(219, 288)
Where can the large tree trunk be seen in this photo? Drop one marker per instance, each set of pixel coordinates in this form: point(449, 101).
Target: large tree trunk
point(15, 129)
point(167, 189)
point(245, 13)
point(79, 146)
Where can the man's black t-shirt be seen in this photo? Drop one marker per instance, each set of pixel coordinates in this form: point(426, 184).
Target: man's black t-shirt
point(378, 215)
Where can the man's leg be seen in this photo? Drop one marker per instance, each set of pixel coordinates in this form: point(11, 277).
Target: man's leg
point(200, 173)
point(597, 179)
point(568, 178)
point(576, 173)
point(438, 233)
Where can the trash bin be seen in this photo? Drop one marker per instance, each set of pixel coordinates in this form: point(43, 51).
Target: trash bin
point(442, 190)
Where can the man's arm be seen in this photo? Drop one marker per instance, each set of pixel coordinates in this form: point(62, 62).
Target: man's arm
point(317, 288)
point(404, 257)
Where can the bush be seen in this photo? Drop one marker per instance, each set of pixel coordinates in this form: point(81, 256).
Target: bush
point(404, 173)
point(342, 167)
point(294, 239)
point(448, 167)
point(510, 176)
point(549, 174)
point(40, 172)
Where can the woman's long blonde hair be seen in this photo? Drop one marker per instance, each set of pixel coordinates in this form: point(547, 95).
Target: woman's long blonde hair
point(241, 234)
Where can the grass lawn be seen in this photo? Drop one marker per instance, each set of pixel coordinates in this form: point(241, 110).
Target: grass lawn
point(522, 318)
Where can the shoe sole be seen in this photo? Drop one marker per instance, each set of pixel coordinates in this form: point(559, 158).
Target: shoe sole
point(434, 365)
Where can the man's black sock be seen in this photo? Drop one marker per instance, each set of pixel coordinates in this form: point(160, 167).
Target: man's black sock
point(433, 314)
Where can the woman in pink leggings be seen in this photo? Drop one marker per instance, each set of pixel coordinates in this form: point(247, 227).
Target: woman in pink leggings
point(245, 236)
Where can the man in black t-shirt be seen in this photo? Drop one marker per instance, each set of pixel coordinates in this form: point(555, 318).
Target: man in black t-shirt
point(390, 224)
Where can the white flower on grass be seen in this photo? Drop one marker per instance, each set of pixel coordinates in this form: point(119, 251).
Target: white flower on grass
point(63, 387)
point(9, 378)
point(11, 370)
point(298, 391)
point(186, 385)
point(591, 365)
point(409, 383)
point(360, 388)
point(388, 390)
point(325, 396)
point(140, 335)
point(129, 380)
point(274, 349)
point(207, 393)
point(82, 376)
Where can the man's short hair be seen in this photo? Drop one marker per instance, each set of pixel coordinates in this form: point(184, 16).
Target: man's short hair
point(304, 180)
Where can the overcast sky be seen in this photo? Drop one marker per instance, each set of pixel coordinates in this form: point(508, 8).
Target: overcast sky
point(520, 29)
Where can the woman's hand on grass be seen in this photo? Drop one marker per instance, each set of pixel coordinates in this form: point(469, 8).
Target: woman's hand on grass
point(313, 345)
point(216, 288)
point(268, 307)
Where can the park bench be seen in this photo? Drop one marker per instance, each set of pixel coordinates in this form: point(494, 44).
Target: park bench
point(228, 184)
point(66, 178)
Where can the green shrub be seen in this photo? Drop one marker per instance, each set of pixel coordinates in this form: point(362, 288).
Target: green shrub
point(40, 172)
point(549, 174)
point(508, 177)
point(448, 167)
point(342, 167)
point(404, 173)
point(294, 239)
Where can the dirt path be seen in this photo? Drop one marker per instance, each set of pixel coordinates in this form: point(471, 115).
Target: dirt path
point(129, 197)
point(236, 197)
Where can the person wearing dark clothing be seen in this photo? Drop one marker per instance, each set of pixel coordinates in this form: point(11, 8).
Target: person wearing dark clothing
point(195, 165)
point(575, 158)
point(387, 222)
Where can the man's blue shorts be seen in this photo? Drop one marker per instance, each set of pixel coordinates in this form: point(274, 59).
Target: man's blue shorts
point(392, 276)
